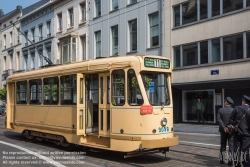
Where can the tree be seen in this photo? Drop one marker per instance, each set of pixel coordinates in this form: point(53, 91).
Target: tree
point(3, 94)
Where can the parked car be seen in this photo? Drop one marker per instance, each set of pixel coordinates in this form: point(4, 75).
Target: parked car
point(2, 110)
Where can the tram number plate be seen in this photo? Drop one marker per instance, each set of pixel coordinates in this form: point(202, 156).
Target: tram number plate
point(163, 129)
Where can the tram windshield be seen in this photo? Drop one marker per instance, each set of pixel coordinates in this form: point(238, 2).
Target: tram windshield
point(156, 86)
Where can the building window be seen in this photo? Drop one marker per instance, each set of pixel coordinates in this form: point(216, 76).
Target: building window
point(26, 37)
point(40, 32)
point(98, 8)
point(68, 89)
point(114, 4)
point(177, 56)
point(216, 50)
point(189, 12)
point(203, 9)
point(115, 40)
point(17, 60)
point(133, 35)
point(48, 50)
point(40, 57)
point(248, 45)
point(233, 47)
point(11, 44)
point(11, 62)
point(154, 29)
point(18, 38)
point(177, 16)
point(190, 54)
point(204, 52)
point(83, 42)
point(25, 57)
point(59, 16)
point(83, 12)
point(4, 62)
point(50, 87)
point(4, 41)
point(71, 17)
point(98, 43)
point(231, 5)
point(215, 7)
point(32, 56)
point(248, 3)
point(132, 1)
point(35, 91)
point(33, 35)
point(68, 50)
point(48, 29)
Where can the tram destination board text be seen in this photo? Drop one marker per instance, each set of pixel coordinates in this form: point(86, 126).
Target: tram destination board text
point(156, 63)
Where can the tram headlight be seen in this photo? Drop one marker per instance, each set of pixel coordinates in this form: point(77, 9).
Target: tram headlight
point(164, 121)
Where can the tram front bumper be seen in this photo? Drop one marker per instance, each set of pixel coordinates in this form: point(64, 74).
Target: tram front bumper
point(159, 143)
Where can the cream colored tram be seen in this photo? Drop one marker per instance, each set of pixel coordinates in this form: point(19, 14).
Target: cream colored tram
point(119, 103)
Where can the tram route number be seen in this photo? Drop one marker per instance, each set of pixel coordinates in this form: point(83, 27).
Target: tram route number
point(163, 129)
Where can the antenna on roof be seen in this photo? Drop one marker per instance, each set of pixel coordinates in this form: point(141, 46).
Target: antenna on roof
point(45, 58)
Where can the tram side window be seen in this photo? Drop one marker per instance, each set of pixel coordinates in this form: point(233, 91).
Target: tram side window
point(21, 92)
point(35, 91)
point(68, 89)
point(50, 88)
point(118, 88)
point(134, 92)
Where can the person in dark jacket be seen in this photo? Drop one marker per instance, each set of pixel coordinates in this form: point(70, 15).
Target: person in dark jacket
point(223, 120)
point(241, 117)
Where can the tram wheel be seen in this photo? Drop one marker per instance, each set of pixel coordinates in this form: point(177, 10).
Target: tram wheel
point(28, 136)
point(66, 145)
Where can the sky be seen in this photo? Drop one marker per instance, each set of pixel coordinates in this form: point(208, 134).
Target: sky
point(9, 5)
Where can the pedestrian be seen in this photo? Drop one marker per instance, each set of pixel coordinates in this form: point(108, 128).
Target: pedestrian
point(223, 120)
point(240, 118)
point(199, 110)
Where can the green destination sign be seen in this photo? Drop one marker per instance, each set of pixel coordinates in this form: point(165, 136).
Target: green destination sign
point(156, 63)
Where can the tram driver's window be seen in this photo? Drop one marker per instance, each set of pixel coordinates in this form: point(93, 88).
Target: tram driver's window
point(118, 88)
point(134, 92)
point(21, 92)
point(68, 89)
point(50, 88)
point(35, 91)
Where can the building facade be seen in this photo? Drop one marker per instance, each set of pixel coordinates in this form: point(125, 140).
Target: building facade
point(210, 41)
point(37, 25)
point(11, 44)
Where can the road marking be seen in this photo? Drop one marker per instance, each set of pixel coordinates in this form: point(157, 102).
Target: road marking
point(50, 161)
point(205, 144)
point(199, 134)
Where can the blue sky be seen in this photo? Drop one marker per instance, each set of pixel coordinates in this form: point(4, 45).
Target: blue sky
point(9, 5)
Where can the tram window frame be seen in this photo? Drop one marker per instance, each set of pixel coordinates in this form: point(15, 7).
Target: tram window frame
point(37, 92)
point(118, 74)
point(51, 81)
point(20, 92)
point(69, 90)
point(133, 87)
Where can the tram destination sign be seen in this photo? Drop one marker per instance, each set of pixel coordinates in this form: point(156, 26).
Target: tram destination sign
point(156, 63)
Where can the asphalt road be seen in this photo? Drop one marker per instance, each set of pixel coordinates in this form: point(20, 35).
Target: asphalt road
point(193, 150)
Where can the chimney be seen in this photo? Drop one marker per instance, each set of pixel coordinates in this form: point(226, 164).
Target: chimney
point(1, 13)
point(19, 7)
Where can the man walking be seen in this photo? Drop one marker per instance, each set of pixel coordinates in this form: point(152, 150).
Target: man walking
point(241, 117)
point(200, 109)
point(223, 120)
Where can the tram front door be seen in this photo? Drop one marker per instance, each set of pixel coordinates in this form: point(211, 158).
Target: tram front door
point(104, 104)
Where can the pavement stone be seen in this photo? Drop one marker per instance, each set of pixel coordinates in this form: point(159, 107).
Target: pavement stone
point(196, 128)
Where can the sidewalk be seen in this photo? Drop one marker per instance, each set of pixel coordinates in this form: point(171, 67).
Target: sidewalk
point(196, 128)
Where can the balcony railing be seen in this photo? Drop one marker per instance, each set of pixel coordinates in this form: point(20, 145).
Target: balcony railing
point(7, 73)
point(49, 35)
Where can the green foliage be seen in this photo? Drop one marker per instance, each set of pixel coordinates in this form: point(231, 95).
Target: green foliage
point(50, 90)
point(146, 81)
point(3, 94)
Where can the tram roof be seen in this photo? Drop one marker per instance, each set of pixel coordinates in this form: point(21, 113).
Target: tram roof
point(88, 66)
